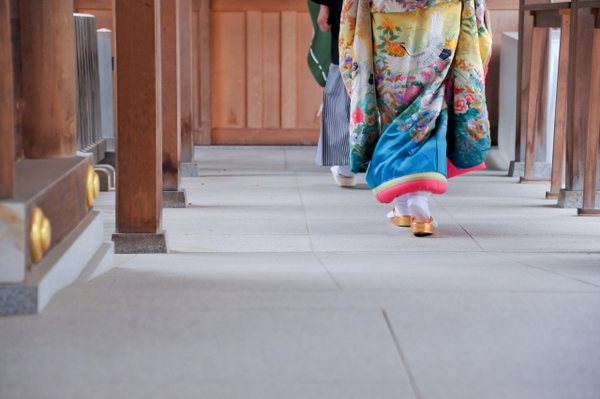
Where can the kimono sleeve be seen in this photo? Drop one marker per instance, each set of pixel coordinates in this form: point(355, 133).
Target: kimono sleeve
point(346, 41)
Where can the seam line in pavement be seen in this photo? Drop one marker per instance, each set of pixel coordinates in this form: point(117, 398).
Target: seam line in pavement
point(546, 270)
point(310, 243)
point(409, 374)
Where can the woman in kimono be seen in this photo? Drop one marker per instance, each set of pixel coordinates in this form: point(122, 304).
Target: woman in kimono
point(415, 72)
point(333, 148)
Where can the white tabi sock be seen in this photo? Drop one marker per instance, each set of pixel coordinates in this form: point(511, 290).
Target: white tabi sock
point(343, 170)
point(419, 206)
point(401, 207)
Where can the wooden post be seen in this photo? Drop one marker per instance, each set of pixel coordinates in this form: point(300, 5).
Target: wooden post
point(535, 71)
point(560, 118)
point(185, 31)
point(577, 103)
point(139, 138)
point(593, 131)
point(7, 132)
point(171, 115)
point(49, 76)
point(202, 83)
point(524, 64)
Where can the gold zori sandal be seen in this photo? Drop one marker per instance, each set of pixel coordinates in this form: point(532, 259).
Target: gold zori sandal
point(400, 220)
point(422, 229)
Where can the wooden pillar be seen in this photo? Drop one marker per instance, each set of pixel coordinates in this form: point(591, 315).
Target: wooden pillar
point(139, 138)
point(202, 74)
point(560, 117)
point(49, 76)
point(524, 64)
point(538, 51)
point(7, 132)
point(171, 91)
point(579, 87)
point(593, 128)
point(185, 31)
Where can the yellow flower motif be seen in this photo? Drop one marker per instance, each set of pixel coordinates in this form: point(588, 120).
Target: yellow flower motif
point(396, 50)
point(450, 44)
point(388, 24)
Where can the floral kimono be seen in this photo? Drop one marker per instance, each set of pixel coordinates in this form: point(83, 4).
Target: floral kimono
point(415, 71)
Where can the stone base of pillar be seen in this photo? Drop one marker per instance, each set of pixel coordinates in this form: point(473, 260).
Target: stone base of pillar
point(541, 170)
point(189, 169)
point(574, 199)
point(79, 257)
point(588, 212)
point(141, 243)
point(174, 199)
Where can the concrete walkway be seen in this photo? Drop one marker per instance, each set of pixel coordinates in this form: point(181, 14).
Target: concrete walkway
point(280, 284)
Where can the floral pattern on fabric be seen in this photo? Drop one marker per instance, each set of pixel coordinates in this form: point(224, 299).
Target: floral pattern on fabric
point(403, 62)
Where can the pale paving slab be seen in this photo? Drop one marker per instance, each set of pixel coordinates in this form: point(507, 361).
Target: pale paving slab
point(242, 243)
point(158, 349)
point(469, 308)
point(399, 242)
point(541, 226)
point(256, 213)
point(223, 272)
point(443, 271)
point(540, 243)
point(583, 267)
point(517, 353)
point(143, 291)
point(180, 224)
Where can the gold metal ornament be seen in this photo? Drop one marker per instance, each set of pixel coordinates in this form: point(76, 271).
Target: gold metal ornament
point(92, 185)
point(40, 234)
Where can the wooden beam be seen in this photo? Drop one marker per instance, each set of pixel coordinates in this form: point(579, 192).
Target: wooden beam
point(263, 5)
point(185, 36)
point(139, 138)
point(171, 92)
point(7, 131)
point(49, 78)
point(224, 136)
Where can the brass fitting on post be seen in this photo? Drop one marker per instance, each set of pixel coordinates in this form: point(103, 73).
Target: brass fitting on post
point(92, 185)
point(40, 234)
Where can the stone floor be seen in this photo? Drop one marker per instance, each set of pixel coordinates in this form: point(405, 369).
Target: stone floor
point(280, 284)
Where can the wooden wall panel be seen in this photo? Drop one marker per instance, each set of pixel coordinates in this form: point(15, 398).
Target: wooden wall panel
point(272, 70)
point(228, 65)
point(289, 73)
point(254, 61)
point(104, 17)
point(262, 5)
